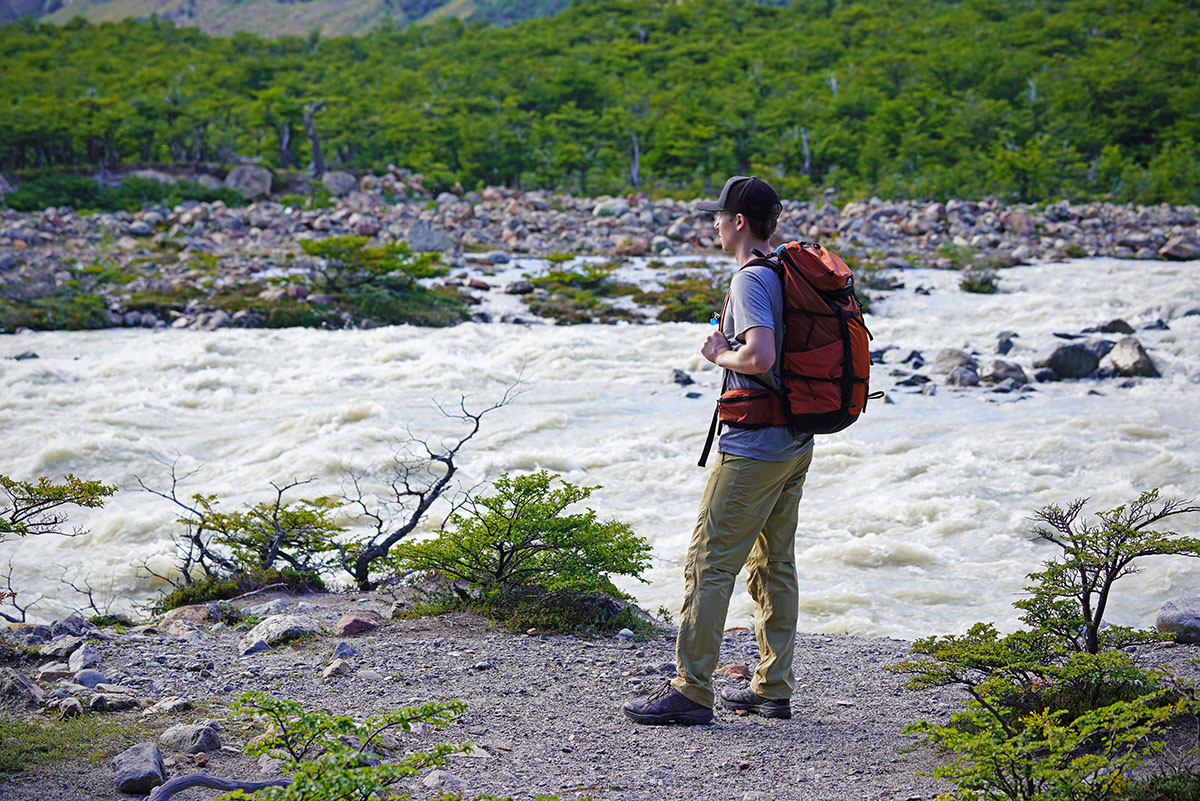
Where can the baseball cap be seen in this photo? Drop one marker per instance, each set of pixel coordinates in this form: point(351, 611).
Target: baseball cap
point(750, 196)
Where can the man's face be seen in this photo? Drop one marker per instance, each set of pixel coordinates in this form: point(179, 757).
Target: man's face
point(725, 223)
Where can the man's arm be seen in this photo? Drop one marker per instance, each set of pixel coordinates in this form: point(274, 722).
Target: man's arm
point(756, 356)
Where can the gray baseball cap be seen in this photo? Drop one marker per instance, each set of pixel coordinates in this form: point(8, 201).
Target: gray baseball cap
point(746, 195)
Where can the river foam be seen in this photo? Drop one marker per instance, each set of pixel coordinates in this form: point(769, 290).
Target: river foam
point(913, 520)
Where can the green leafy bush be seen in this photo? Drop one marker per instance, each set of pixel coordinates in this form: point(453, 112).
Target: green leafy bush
point(134, 192)
point(1054, 711)
point(982, 282)
point(334, 757)
point(522, 555)
point(222, 588)
point(28, 507)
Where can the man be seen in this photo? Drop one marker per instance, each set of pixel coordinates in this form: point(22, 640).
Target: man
point(748, 513)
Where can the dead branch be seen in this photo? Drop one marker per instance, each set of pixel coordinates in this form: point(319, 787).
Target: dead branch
point(181, 783)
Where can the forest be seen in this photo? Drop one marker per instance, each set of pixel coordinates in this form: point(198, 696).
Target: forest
point(1023, 100)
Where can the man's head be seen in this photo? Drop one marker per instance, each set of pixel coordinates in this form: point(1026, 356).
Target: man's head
point(753, 198)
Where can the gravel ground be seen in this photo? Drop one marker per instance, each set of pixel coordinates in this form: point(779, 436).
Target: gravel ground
point(544, 712)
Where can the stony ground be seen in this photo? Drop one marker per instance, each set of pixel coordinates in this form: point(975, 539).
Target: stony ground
point(544, 712)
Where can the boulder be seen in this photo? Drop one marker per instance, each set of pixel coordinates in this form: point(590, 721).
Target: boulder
point(949, 358)
point(441, 780)
point(613, 207)
point(140, 769)
point(962, 376)
point(89, 678)
point(916, 225)
point(250, 180)
point(1117, 326)
point(278, 629)
point(1100, 347)
point(266, 609)
point(1016, 221)
point(54, 670)
point(998, 370)
point(357, 621)
point(18, 693)
point(72, 625)
point(193, 613)
point(1068, 360)
point(1181, 617)
point(339, 183)
point(191, 738)
point(61, 646)
point(84, 656)
point(519, 288)
point(1181, 248)
point(424, 236)
point(1129, 358)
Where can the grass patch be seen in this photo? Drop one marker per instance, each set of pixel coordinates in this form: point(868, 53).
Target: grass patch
point(583, 614)
point(30, 743)
point(225, 587)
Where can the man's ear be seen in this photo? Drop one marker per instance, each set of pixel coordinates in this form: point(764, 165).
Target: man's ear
point(739, 221)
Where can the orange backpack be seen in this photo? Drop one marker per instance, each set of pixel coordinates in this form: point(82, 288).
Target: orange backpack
point(826, 358)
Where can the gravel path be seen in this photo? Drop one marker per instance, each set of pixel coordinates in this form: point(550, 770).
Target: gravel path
point(544, 712)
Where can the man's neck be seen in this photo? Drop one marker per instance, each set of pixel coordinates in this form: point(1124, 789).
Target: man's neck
point(744, 251)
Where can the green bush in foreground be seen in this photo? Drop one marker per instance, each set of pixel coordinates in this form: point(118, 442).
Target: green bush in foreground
point(524, 559)
point(1056, 713)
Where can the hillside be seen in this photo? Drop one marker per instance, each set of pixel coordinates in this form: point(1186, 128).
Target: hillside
point(279, 17)
point(919, 98)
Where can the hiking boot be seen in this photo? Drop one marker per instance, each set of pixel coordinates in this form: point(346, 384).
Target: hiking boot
point(668, 705)
point(750, 701)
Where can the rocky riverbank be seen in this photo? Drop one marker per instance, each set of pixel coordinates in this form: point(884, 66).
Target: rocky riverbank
point(183, 256)
point(543, 711)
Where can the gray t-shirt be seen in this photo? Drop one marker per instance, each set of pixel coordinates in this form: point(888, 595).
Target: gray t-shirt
point(756, 300)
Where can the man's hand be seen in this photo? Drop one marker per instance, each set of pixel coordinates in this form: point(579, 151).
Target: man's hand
point(714, 346)
point(756, 356)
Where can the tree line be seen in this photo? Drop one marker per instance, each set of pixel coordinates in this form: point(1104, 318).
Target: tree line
point(1023, 100)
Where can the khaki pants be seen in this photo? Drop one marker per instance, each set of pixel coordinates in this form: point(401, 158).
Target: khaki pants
point(747, 517)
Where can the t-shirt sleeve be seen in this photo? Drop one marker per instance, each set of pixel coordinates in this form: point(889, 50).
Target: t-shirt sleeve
point(750, 303)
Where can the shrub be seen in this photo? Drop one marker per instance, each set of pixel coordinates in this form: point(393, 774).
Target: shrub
point(223, 588)
point(1054, 712)
point(981, 282)
point(35, 508)
point(523, 558)
point(133, 193)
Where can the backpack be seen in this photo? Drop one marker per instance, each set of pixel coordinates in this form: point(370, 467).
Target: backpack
point(826, 359)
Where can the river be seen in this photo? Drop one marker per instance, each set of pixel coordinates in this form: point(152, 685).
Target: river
point(914, 520)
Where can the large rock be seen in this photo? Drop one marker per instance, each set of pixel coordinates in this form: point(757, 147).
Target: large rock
point(61, 647)
point(1129, 358)
point(140, 769)
point(72, 625)
point(1181, 617)
point(84, 657)
point(1068, 360)
point(249, 179)
point(358, 621)
point(999, 370)
point(18, 693)
point(424, 236)
point(613, 207)
point(339, 183)
point(278, 629)
point(1181, 248)
point(962, 376)
point(191, 739)
point(1017, 222)
point(193, 613)
point(949, 358)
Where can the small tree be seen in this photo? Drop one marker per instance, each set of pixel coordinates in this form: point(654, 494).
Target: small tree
point(36, 508)
point(1054, 712)
point(522, 537)
point(28, 508)
point(324, 756)
point(345, 263)
point(1069, 598)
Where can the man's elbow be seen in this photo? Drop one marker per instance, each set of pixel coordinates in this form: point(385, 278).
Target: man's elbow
point(759, 363)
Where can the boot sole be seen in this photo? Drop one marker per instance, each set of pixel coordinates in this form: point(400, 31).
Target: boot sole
point(690, 719)
point(766, 710)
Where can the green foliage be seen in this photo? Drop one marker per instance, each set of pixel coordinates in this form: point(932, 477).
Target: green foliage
point(1074, 250)
point(318, 197)
point(36, 508)
point(345, 262)
point(689, 299)
point(1174, 787)
point(957, 99)
point(1055, 712)
point(522, 538)
point(334, 757)
point(223, 588)
point(30, 743)
point(1048, 759)
point(300, 535)
point(577, 296)
point(981, 282)
point(1068, 599)
point(133, 193)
